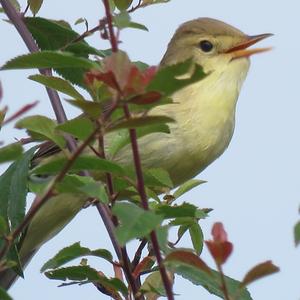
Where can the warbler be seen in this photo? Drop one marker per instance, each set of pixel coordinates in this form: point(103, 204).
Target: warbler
point(204, 116)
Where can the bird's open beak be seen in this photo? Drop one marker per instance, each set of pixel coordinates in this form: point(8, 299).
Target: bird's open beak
point(241, 50)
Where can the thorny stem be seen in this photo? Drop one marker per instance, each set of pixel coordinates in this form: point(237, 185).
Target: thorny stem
point(138, 167)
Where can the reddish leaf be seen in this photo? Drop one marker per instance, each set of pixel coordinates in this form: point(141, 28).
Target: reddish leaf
point(119, 64)
point(188, 258)
point(220, 251)
point(108, 78)
point(218, 232)
point(20, 112)
point(145, 264)
point(259, 271)
point(220, 248)
point(147, 98)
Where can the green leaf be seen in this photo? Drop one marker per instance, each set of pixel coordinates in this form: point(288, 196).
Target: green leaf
point(153, 286)
point(183, 210)
point(41, 127)
point(13, 187)
point(134, 221)
point(93, 109)
point(122, 19)
point(122, 138)
point(80, 127)
point(3, 226)
point(137, 26)
point(83, 184)
point(162, 237)
point(187, 186)
point(35, 5)
point(49, 59)
point(72, 252)
point(58, 84)
point(10, 152)
point(196, 237)
point(4, 295)
point(122, 4)
point(74, 273)
point(150, 2)
point(53, 35)
point(192, 268)
point(141, 122)
point(81, 20)
point(157, 177)
point(167, 79)
point(83, 162)
point(95, 190)
point(297, 233)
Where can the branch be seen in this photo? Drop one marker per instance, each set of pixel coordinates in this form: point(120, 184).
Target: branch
point(17, 20)
point(138, 167)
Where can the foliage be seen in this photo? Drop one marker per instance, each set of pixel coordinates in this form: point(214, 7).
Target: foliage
point(116, 116)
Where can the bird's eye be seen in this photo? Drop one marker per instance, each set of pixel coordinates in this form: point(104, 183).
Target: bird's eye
point(206, 46)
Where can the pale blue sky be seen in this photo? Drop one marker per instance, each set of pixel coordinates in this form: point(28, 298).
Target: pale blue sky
point(253, 187)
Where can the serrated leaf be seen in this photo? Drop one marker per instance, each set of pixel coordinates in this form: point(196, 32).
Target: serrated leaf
point(134, 222)
point(192, 268)
point(58, 84)
point(13, 187)
point(183, 210)
point(4, 295)
point(187, 186)
point(72, 252)
point(35, 5)
point(141, 122)
point(96, 190)
point(122, 4)
point(49, 59)
point(93, 109)
point(53, 35)
point(259, 271)
point(297, 234)
point(41, 127)
point(122, 138)
point(80, 127)
point(196, 237)
point(10, 152)
point(167, 81)
point(83, 162)
point(157, 177)
point(74, 273)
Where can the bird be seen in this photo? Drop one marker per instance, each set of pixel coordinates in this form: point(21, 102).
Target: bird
point(204, 114)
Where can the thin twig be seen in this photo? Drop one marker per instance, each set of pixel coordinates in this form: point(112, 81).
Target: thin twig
point(138, 253)
point(17, 20)
point(138, 167)
point(223, 282)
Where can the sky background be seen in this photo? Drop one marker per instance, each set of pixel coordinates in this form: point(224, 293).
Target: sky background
point(253, 187)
